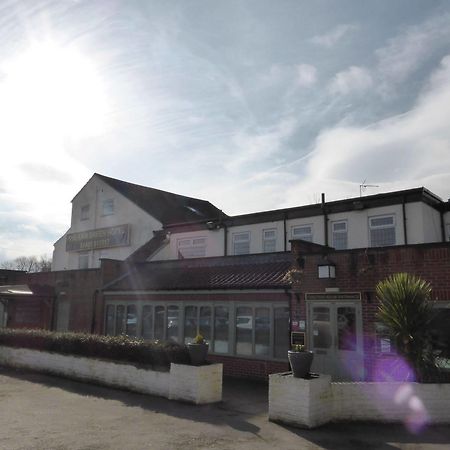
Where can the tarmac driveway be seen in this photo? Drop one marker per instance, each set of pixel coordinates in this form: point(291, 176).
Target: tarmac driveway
point(44, 412)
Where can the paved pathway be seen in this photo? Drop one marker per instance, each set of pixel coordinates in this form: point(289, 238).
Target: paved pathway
point(44, 412)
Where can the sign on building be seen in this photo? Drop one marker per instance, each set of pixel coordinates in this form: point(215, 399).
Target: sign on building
point(101, 238)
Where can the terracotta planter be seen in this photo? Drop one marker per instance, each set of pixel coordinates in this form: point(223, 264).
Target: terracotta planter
point(300, 363)
point(197, 353)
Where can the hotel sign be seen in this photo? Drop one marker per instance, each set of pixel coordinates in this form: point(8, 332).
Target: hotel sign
point(101, 238)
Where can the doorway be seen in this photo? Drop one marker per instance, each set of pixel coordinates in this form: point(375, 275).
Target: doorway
point(335, 337)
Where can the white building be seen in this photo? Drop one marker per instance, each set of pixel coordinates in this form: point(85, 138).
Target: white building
point(119, 220)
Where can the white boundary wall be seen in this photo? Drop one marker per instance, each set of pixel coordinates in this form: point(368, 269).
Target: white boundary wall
point(195, 384)
point(310, 403)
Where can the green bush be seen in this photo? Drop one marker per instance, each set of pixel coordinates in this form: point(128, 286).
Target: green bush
point(156, 354)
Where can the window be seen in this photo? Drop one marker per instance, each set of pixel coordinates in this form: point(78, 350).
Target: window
point(241, 243)
point(269, 240)
point(85, 212)
point(339, 230)
point(382, 231)
point(448, 232)
point(108, 207)
point(83, 260)
point(191, 247)
point(248, 330)
point(304, 232)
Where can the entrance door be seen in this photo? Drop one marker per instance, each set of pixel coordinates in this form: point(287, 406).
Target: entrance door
point(335, 337)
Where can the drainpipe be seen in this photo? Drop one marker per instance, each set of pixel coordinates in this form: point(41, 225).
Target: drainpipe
point(225, 239)
point(325, 219)
point(441, 212)
point(405, 234)
point(94, 307)
point(285, 232)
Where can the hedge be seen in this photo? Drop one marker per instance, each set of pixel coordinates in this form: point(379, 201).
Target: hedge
point(156, 354)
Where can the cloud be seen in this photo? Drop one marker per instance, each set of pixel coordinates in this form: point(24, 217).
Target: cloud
point(404, 151)
point(354, 79)
point(331, 38)
point(407, 51)
point(306, 75)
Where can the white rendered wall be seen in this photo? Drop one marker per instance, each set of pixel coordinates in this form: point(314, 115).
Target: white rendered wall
point(195, 384)
point(432, 224)
point(447, 225)
point(94, 193)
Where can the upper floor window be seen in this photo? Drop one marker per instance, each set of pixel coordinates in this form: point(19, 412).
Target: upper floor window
point(83, 260)
point(339, 229)
point(304, 232)
point(382, 231)
point(241, 243)
point(448, 232)
point(85, 212)
point(108, 207)
point(191, 247)
point(269, 240)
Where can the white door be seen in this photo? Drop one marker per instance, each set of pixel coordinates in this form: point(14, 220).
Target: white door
point(335, 337)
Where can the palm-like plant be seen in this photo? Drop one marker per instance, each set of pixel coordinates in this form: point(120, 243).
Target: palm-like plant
point(406, 311)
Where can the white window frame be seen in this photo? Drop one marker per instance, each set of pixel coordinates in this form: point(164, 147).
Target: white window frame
point(237, 240)
point(192, 249)
point(81, 258)
point(266, 240)
point(306, 225)
point(232, 307)
point(108, 207)
point(334, 232)
point(84, 212)
point(380, 227)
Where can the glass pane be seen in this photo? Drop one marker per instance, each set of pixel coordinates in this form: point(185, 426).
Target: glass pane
point(205, 322)
point(269, 246)
point(346, 321)
point(281, 332)
point(159, 322)
point(381, 221)
point(131, 320)
point(221, 324)
point(110, 320)
point(172, 323)
point(380, 237)
point(120, 319)
point(262, 331)
point(147, 319)
point(190, 323)
point(241, 248)
point(244, 330)
point(340, 240)
point(321, 327)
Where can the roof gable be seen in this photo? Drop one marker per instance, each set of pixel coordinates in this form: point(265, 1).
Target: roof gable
point(165, 206)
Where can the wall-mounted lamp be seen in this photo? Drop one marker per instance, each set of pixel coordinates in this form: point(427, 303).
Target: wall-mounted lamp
point(327, 270)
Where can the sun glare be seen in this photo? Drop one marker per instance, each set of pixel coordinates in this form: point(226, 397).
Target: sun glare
point(51, 91)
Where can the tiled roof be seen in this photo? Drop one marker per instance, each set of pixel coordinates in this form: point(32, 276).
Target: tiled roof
point(164, 206)
point(149, 248)
point(231, 272)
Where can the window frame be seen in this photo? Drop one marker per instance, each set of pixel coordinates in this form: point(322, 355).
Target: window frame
point(381, 227)
point(265, 240)
point(112, 209)
point(203, 246)
point(333, 223)
point(84, 212)
point(248, 241)
point(232, 310)
point(310, 225)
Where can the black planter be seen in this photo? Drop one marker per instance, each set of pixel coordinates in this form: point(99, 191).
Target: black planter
point(300, 363)
point(197, 353)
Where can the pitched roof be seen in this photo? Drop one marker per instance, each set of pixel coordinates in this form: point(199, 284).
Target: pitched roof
point(266, 271)
point(164, 206)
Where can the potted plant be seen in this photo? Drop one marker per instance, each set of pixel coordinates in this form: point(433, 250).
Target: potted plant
point(300, 360)
point(198, 350)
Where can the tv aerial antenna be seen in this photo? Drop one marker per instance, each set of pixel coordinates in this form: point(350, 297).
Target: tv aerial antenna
point(363, 186)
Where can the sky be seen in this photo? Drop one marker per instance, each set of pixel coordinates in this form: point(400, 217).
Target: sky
point(252, 105)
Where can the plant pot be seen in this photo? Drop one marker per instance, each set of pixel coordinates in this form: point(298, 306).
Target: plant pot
point(197, 353)
point(300, 363)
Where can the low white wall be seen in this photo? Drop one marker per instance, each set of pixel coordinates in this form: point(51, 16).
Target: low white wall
point(197, 384)
point(309, 403)
point(300, 402)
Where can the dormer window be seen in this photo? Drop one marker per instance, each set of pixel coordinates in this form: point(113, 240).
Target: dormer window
point(84, 212)
point(108, 207)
